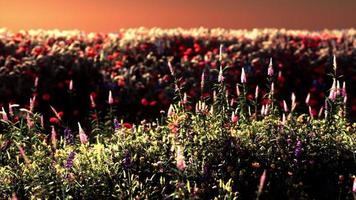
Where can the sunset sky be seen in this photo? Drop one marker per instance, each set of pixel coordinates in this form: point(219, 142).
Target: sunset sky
point(111, 15)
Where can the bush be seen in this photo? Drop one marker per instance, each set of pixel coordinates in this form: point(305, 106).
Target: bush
point(221, 150)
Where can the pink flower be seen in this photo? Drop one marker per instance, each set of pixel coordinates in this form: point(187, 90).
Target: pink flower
point(180, 159)
point(272, 88)
point(170, 68)
point(294, 104)
point(53, 137)
point(243, 76)
point(334, 63)
point(4, 115)
point(285, 107)
point(32, 103)
point(262, 182)
point(71, 85)
point(237, 90)
point(221, 76)
point(170, 111)
point(270, 71)
point(234, 118)
point(202, 81)
point(256, 92)
point(307, 99)
point(92, 102)
point(36, 82)
point(354, 186)
point(82, 136)
point(110, 99)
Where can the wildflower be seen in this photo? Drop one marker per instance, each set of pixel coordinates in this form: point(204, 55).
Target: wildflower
point(14, 197)
point(127, 125)
point(334, 63)
point(144, 102)
point(71, 85)
point(171, 68)
point(110, 99)
point(298, 149)
point(238, 90)
point(36, 82)
point(243, 76)
point(320, 112)
point(170, 111)
point(46, 97)
point(116, 124)
point(92, 102)
point(343, 89)
point(354, 186)
point(270, 71)
point(262, 182)
point(272, 88)
point(126, 161)
point(68, 136)
point(58, 114)
point(42, 121)
point(311, 113)
point(256, 92)
point(54, 137)
point(284, 118)
point(82, 136)
point(202, 81)
point(32, 103)
point(234, 118)
point(70, 158)
point(4, 115)
point(185, 98)
point(263, 110)
point(30, 122)
point(294, 104)
point(285, 107)
point(307, 99)
point(221, 76)
point(267, 109)
point(153, 103)
point(180, 159)
point(220, 52)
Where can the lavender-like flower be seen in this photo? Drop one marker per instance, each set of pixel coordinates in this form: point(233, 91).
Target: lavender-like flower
point(126, 161)
point(298, 149)
point(68, 136)
point(69, 163)
point(116, 124)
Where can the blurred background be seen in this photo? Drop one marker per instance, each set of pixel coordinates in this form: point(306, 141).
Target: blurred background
point(110, 15)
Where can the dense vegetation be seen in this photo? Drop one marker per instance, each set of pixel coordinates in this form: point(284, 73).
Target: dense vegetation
point(230, 139)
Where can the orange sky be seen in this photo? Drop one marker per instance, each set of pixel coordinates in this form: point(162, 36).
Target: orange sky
point(110, 15)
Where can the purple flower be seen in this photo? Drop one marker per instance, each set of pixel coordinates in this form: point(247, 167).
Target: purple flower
point(126, 161)
point(68, 136)
point(70, 159)
point(116, 124)
point(298, 149)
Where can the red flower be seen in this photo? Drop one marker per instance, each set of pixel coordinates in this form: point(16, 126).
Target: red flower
point(54, 120)
point(46, 97)
point(153, 103)
point(127, 125)
point(144, 102)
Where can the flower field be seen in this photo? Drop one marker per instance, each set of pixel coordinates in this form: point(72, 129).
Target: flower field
point(178, 114)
